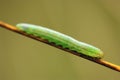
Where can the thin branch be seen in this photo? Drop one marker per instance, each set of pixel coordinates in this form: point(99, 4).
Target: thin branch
point(99, 61)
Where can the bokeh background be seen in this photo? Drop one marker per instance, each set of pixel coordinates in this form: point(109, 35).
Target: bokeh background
point(96, 22)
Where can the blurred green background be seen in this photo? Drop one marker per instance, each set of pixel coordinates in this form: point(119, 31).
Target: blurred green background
point(93, 21)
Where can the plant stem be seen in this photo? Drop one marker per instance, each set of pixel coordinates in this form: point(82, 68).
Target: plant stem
point(99, 61)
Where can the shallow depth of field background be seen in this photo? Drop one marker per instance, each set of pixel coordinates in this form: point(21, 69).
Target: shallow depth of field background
point(96, 22)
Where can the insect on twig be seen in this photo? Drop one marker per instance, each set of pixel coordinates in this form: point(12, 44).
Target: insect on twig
point(62, 42)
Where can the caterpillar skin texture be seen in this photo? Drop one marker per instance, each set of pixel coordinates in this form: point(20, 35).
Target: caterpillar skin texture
point(61, 40)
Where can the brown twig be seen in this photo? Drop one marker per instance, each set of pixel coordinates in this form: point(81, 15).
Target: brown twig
point(99, 61)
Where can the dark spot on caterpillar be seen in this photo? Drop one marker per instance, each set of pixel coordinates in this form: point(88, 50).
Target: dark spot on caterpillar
point(60, 46)
point(74, 51)
point(67, 48)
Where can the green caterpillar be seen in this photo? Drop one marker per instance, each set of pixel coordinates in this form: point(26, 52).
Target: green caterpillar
point(61, 40)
